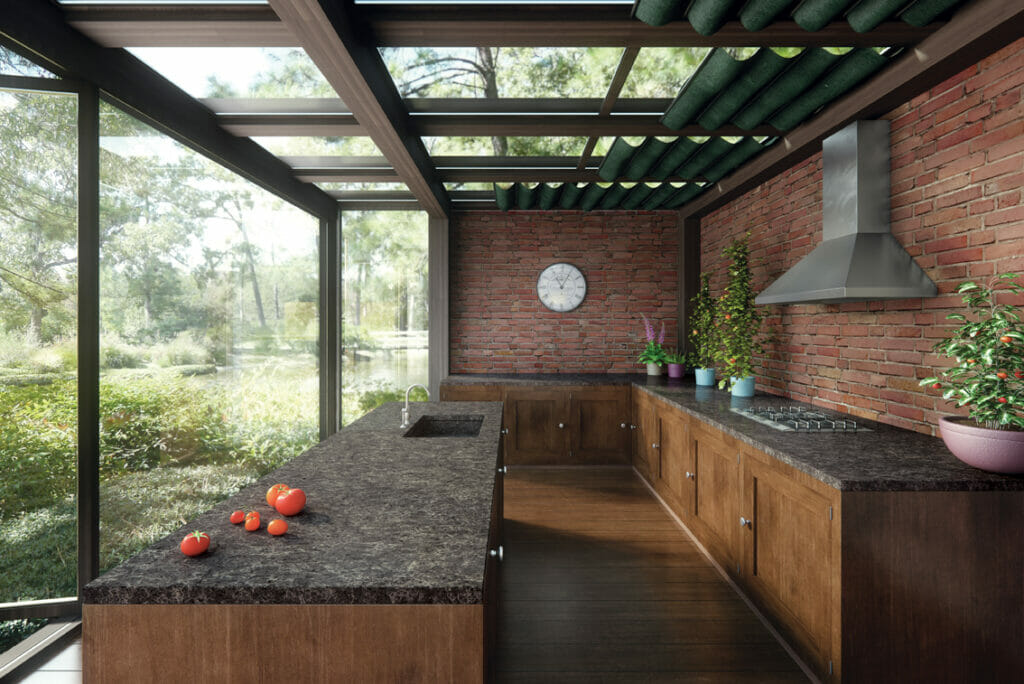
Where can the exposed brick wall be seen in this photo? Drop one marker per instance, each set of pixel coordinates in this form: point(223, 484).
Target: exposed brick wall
point(497, 323)
point(957, 172)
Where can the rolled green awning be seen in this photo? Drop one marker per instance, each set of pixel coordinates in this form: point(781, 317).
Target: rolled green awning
point(594, 196)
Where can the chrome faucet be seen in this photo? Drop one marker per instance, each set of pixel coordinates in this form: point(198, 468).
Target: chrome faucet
point(405, 411)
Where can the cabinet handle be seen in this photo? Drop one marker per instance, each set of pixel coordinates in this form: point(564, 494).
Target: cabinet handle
point(561, 426)
point(744, 522)
point(689, 475)
point(632, 427)
point(655, 446)
point(504, 431)
point(498, 553)
point(503, 469)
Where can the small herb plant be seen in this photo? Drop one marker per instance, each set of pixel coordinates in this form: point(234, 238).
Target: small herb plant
point(703, 332)
point(675, 357)
point(988, 348)
point(653, 352)
point(737, 319)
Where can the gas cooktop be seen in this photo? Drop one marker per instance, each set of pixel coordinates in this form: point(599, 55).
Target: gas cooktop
point(797, 419)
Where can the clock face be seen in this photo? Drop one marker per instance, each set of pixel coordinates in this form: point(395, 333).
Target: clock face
point(561, 287)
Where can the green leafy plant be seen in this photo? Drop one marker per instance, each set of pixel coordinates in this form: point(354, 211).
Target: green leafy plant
point(738, 321)
point(988, 349)
point(675, 357)
point(703, 332)
point(653, 352)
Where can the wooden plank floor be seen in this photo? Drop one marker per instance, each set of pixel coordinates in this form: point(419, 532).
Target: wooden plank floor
point(600, 585)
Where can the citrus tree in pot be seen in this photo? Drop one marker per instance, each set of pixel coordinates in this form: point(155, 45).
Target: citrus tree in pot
point(987, 377)
point(703, 333)
point(739, 323)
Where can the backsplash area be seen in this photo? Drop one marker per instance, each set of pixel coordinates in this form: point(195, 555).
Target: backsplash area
point(957, 171)
point(498, 325)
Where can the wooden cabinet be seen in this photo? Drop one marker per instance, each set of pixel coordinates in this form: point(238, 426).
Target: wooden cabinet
point(790, 553)
point(677, 478)
point(646, 457)
point(599, 420)
point(714, 516)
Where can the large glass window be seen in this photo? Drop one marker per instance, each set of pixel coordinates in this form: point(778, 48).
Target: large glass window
point(384, 328)
point(209, 334)
point(38, 348)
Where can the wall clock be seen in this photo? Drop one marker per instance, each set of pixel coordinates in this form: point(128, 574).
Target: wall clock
point(561, 287)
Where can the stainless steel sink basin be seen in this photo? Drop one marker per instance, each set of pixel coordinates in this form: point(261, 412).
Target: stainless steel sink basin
point(446, 426)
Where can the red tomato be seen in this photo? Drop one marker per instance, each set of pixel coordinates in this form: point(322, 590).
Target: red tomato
point(937, 385)
point(252, 521)
point(274, 492)
point(1001, 400)
point(291, 502)
point(195, 543)
point(1001, 375)
point(277, 527)
point(1018, 374)
point(1005, 339)
point(237, 517)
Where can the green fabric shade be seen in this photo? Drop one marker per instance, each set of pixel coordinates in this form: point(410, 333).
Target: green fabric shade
point(593, 196)
point(685, 158)
point(717, 69)
point(708, 16)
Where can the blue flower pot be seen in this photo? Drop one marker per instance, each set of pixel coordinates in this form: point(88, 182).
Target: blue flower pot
point(705, 376)
point(742, 387)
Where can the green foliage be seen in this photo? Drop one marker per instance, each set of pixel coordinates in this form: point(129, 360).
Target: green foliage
point(181, 351)
point(988, 348)
point(653, 353)
point(737, 319)
point(703, 328)
point(13, 631)
point(116, 353)
point(675, 357)
point(372, 398)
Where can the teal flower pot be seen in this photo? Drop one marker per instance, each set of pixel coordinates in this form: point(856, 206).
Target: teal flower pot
point(742, 387)
point(705, 376)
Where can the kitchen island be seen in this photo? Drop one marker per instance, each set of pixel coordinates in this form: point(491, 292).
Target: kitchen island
point(386, 575)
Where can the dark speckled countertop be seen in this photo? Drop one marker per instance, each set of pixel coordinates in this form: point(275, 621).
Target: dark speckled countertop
point(886, 459)
point(388, 519)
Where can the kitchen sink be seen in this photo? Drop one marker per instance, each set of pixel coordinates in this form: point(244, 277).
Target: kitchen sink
point(446, 426)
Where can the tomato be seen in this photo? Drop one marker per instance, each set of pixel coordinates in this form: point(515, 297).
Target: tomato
point(277, 527)
point(937, 385)
point(1005, 339)
point(237, 517)
point(1001, 375)
point(1018, 374)
point(274, 492)
point(195, 543)
point(252, 521)
point(291, 502)
point(1001, 400)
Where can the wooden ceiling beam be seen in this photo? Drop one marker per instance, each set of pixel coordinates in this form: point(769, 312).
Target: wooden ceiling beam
point(975, 32)
point(337, 41)
point(232, 25)
point(312, 106)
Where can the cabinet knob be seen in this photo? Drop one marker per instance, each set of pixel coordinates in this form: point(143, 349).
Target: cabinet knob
point(689, 475)
point(655, 446)
point(503, 469)
point(504, 431)
point(744, 522)
point(622, 425)
point(632, 427)
point(498, 553)
point(561, 425)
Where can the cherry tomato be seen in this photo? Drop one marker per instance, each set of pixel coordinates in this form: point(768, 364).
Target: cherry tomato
point(1001, 400)
point(252, 521)
point(1005, 339)
point(274, 492)
point(937, 385)
point(277, 527)
point(195, 543)
point(291, 502)
point(1018, 374)
point(237, 517)
point(1001, 375)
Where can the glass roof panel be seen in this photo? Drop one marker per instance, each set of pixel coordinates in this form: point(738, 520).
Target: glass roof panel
point(238, 72)
point(516, 146)
point(13, 64)
point(390, 187)
point(661, 72)
point(321, 147)
point(502, 72)
point(468, 186)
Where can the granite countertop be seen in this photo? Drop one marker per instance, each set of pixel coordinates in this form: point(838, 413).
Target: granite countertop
point(577, 379)
point(886, 459)
point(388, 520)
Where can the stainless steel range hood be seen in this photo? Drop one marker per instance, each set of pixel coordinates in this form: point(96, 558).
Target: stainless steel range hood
point(858, 258)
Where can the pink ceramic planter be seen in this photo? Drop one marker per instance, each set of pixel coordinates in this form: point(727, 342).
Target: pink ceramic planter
point(998, 451)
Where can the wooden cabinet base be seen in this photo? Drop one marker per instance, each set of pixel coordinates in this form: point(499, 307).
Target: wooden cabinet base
point(285, 643)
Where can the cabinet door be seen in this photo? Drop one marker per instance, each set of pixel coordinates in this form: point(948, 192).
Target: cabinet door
point(645, 456)
point(715, 502)
point(676, 463)
point(600, 425)
point(788, 552)
point(537, 422)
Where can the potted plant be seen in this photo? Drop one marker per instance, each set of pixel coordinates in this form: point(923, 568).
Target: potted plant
point(675, 361)
point(987, 377)
point(703, 333)
point(739, 323)
point(653, 354)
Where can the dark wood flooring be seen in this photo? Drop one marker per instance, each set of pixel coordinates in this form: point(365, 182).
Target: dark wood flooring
point(600, 585)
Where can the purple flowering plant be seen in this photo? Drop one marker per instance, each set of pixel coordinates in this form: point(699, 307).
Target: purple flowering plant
point(653, 352)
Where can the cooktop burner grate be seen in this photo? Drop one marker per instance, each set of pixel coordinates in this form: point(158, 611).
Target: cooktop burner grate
point(798, 419)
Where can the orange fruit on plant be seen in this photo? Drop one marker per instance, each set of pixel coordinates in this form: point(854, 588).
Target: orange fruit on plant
point(274, 492)
point(1005, 339)
point(277, 527)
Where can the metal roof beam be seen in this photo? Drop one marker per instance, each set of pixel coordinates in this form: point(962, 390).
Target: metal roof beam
point(979, 29)
point(336, 40)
